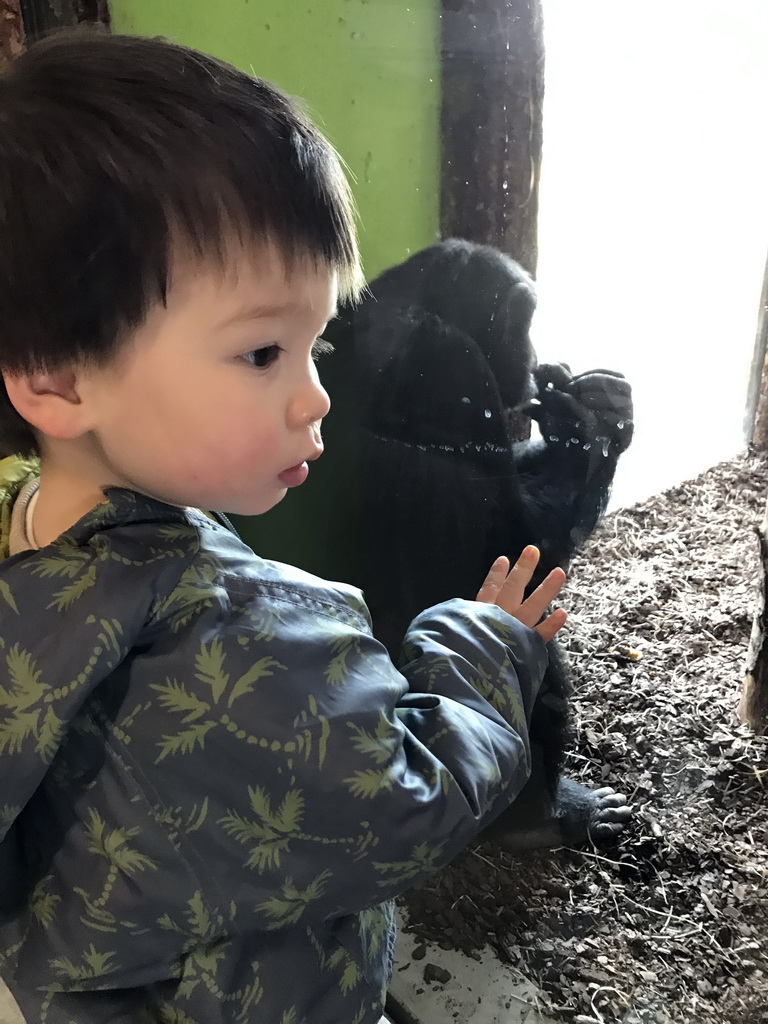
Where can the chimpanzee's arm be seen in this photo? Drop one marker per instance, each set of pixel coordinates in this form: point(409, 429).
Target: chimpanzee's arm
point(564, 477)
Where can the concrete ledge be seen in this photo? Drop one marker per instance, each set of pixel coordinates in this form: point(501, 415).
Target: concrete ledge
point(442, 986)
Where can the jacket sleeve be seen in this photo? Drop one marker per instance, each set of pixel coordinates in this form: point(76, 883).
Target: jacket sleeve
point(341, 780)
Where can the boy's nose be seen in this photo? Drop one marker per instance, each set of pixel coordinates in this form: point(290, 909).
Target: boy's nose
point(311, 403)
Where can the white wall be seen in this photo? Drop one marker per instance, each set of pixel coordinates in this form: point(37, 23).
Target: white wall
point(654, 216)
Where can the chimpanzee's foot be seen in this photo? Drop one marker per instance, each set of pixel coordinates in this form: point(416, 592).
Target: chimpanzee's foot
point(579, 814)
point(583, 813)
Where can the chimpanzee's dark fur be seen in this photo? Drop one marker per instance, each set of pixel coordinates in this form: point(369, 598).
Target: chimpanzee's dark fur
point(428, 372)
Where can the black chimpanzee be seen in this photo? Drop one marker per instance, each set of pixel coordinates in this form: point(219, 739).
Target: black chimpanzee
point(430, 374)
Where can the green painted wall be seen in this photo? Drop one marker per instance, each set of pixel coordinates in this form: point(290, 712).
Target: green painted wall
point(368, 71)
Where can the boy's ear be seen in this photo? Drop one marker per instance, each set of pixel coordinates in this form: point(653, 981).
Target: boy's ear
point(49, 402)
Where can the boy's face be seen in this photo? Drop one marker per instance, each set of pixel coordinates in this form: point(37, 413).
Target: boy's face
point(215, 401)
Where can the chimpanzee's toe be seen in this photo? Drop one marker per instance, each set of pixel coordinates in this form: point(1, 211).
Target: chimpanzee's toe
point(580, 815)
point(610, 813)
point(584, 813)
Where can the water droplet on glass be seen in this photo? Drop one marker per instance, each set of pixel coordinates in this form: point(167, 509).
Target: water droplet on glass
point(620, 425)
point(587, 446)
point(505, 185)
point(553, 438)
point(487, 414)
point(465, 400)
point(574, 440)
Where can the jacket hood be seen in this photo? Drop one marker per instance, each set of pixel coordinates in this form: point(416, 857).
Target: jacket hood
point(15, 472)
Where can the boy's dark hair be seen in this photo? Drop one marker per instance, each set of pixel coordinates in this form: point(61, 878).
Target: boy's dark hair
point(112, 147)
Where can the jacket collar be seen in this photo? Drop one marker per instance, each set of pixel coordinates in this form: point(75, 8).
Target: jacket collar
point(123, 506)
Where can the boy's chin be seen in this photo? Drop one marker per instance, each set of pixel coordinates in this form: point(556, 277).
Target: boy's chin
point(257, 507)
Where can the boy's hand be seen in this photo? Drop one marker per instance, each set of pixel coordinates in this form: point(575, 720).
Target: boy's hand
point(506, 588)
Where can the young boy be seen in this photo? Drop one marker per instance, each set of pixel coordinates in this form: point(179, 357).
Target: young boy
point(213, 781)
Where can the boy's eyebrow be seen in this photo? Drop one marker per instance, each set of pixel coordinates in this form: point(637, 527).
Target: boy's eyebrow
point(262, 311)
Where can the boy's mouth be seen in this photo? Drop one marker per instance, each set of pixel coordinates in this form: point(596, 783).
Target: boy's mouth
point(295, 475)
point(298, 474)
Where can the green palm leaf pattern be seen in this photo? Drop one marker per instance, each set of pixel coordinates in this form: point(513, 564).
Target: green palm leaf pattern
point(339, 958)
point(67, 559)
point(198, 921)
point(7, 596)
point(210, 668)
point(26, 678)
point(430, 672)
point(42, 903)
point(288, 910)
point(424, 859)
point(112, 845)
point(64, 599)
point(27, 689)
point(168, 1015)
point(14, 731)
point(505, 698)
point(380, 745)
point(195, 591)
point(49, 735)
point(259, 670)
point(8, 814)
point(184, 742)
point(272, 833)
point(369, 783)
point(374, 926)
point(94, 965)
point(175, 697)
point(337, 672)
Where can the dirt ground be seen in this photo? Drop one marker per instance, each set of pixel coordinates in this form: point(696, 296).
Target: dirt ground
point(671, 924)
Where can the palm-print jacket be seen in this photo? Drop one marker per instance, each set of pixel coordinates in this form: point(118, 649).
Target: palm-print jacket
point(213, 780)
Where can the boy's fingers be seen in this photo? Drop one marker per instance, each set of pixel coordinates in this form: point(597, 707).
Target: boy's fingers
point(544, 594)
point(548, 589)
point(494, 581)
point(551, 625)
point(520, 575)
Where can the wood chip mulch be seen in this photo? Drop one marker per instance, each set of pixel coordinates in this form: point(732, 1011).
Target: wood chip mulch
point(671, 924)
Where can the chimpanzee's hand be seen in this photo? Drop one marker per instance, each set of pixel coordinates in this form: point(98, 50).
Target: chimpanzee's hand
point(593, 408)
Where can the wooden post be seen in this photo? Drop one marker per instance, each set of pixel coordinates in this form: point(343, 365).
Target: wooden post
point(11, 31)
point(491, 123)
point(491, 130)
point(43, 16)
point(753, 706)
point(756, 419)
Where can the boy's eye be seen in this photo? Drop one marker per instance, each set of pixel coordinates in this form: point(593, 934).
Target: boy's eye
point(321, 347)
point(261, 358)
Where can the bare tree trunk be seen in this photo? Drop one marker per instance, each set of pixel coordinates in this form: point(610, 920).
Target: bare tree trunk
point(756, 419)
point(491, 129)
point(43, 16)
point(11, 31)
point(753, 706)
point(491, 122)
